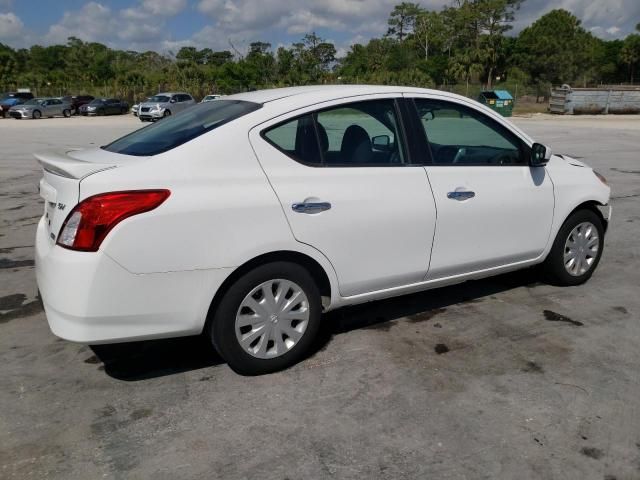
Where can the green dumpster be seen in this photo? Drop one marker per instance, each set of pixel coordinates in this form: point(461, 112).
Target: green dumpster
point(499, 100)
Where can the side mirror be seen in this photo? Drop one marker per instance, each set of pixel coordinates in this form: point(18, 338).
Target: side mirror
point(429, 115)
point(540, 155)
point(381, 143)
point(173, 100)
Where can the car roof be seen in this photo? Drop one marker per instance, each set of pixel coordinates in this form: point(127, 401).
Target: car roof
point(168, 94)
point(319, 93)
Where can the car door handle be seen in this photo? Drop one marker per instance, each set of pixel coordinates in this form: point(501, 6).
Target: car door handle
point(311, 207)
point(461, 195)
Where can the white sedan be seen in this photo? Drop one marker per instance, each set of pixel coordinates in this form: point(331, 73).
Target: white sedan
point(248, 217)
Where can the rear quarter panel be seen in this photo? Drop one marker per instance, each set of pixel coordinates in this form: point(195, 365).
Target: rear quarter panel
point(221, 213)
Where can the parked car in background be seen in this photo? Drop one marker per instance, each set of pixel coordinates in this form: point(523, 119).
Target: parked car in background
point(210, 98)
point(41, 107)
point(248, 217)
point(136, 107)
point(10, 99)
point(105, 106)
point(164, 104)
point(77, 101)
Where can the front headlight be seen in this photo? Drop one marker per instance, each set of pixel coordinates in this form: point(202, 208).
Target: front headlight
point(91, 108)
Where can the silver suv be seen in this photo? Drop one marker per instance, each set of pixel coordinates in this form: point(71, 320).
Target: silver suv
point(164, 104)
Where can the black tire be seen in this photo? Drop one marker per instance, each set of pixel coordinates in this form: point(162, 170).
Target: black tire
point(553, 268)
point(222, 325)
point(167, 113)
point(37, 114)
point(4, 114)
point(66, 113)
point(101, 112)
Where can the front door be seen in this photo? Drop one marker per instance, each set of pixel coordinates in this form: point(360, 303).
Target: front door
point(346, 186)
point(493, 208)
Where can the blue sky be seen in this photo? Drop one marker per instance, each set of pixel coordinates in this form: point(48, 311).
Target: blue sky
point(167, 25)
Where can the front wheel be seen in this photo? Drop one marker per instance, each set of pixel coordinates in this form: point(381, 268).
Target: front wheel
point(66, 113)
point(576, 251)
point(167, 113)
point(267, 320)
point(36, 114)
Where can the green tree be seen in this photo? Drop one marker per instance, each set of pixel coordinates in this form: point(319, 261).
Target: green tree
point(630, 54)
point(551, 48)
point(402, 20)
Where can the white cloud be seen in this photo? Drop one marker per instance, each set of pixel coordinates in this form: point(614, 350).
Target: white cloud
point(92, 22)
point(164, 8)
point(11, 27)
point(604, 18)
point(141, 26)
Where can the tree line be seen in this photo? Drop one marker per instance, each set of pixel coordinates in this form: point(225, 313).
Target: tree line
point(466, 42)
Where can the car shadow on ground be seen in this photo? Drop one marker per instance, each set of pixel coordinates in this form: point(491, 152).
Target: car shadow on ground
point(156, 358)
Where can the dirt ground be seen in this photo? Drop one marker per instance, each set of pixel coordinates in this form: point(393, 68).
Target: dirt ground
point(500, 378)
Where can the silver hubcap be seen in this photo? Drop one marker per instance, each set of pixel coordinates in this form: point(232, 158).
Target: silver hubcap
point(581, 249)
point(272, 318)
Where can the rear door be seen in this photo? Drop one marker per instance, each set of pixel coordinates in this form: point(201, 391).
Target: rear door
point(493, 208)
point(343, 177)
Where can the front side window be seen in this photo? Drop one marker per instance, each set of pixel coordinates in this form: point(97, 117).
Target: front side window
point(460, 135)
point(176, 130)
point(355, 134)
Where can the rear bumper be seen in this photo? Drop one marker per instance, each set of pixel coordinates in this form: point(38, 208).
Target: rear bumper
point(89, 298)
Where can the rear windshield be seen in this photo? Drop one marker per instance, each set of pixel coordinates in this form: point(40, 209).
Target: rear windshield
point(178, 129)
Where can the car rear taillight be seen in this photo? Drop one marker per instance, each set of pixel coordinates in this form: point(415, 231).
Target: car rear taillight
point(92, 219)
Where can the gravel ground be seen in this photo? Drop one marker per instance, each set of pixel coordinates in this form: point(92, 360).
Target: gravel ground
point(501, 378)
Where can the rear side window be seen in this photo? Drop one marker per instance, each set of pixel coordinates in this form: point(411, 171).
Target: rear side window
point(296, 138)
point(351, 135)
point(178, 129)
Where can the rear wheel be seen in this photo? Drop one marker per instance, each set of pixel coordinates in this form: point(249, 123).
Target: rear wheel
point(577, 249)
point(267, 320)
point(36, 114)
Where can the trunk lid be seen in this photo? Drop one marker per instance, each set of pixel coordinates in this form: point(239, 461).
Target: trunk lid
point(60, 184)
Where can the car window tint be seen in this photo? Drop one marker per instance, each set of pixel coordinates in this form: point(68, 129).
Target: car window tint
point(459, 135)
point(296, 138)
point(363, 133)
point(176, 130)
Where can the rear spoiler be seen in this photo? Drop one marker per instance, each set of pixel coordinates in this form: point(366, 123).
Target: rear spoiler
point(60, 163)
